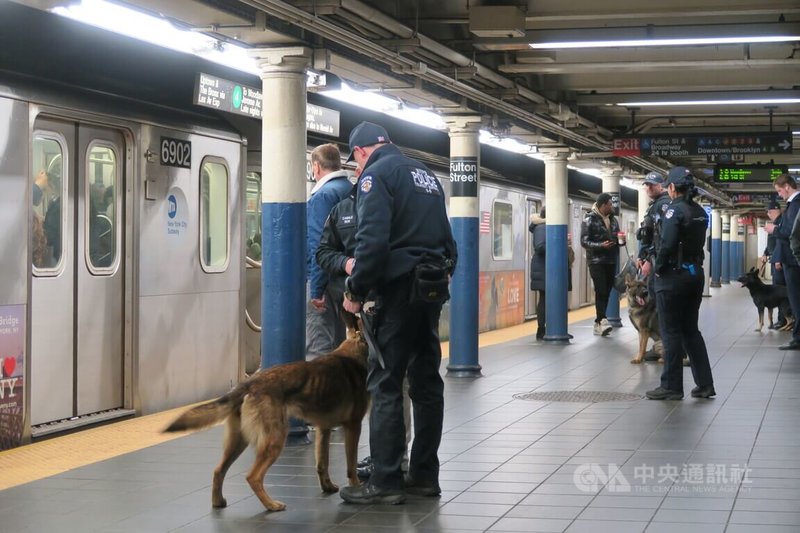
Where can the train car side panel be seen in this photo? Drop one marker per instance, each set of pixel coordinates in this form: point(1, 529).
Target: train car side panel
point(190, 272)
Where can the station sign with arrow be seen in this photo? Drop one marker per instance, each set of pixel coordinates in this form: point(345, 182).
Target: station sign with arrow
point(707, 144)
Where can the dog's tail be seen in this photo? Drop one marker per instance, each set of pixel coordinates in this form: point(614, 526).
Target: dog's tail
point(209, 413)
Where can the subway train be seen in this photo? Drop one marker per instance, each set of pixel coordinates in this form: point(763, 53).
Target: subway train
point(127, 213)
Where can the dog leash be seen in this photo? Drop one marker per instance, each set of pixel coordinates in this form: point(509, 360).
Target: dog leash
point(369, 336)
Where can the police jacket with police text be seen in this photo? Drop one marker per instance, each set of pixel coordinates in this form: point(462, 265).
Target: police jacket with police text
point(683, 235)
point(401, 216)
point(653, 219)
point(594, 233)
point(338, 241)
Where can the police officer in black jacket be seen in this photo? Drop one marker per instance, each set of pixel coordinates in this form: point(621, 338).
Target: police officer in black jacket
point(402, 228)
point(679, 290)
point(649, 233)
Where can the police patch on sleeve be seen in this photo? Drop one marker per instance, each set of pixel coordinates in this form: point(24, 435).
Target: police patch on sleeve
point(669, 213)
point(664, 207)
point(365, 184)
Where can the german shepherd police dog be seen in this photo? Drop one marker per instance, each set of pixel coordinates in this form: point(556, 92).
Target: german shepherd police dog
point(328, 391)
point(767, 297)
point(643, 314)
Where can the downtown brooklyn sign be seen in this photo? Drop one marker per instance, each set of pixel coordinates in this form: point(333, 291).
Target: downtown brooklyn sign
point(708, 144)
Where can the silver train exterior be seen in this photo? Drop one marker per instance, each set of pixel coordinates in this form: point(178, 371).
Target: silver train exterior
point(122, 265)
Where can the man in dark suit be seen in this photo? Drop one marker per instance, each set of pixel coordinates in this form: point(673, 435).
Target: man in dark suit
point(775, 215)
point(786, 188)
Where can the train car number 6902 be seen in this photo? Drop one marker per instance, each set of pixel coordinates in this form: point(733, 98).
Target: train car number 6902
point(176, 153)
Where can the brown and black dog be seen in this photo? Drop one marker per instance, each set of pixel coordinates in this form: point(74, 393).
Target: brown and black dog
point(643, 314)
point(328, 391)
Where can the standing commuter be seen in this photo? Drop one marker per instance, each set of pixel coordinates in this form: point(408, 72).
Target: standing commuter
point(538, 228)
point(599, 236)
point(785, 260)
point(404, 254)
point(324, 327)
point(774, 214)
point(679, 290)
point(649, 235)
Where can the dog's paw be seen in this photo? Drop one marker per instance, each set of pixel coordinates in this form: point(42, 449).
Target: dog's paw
point(329, 487)
point(636, 360)
point(219, 504)
point(275, 505)
point(660, 361)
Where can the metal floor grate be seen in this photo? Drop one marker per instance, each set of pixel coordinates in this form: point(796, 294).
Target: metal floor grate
point(585, 396)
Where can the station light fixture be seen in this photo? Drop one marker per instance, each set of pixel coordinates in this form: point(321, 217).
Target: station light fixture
point(696, 41)
point(746, 101)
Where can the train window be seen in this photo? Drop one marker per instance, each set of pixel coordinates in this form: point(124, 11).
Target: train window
point(253, 216)
point(213, 215)
point(502, 235)
point(102, 180)
point(48, 185)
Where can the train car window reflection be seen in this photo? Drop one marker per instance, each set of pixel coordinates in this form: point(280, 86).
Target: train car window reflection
point(253, 216)
point(502, 234)
point(47, 190)
point(214, 215)
point(101, 183)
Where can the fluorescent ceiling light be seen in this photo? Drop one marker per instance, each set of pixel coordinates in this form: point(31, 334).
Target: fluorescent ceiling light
point(715, 102)
point(158, 31)
point(665, 42)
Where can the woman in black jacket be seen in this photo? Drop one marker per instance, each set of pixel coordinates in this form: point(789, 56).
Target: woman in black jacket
point(538, 278)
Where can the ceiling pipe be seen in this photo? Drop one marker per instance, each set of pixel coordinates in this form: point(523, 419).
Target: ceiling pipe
point(384, 21)
point(408, 66)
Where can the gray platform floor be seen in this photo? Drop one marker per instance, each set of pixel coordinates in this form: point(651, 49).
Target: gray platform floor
point(731, 464)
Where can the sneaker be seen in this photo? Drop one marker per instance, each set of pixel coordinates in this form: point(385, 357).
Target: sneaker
point(368, 494)
point(597, 330)
point(605, 326)
point(661, 393)
point(364, 469)
point(704, 392)
point(420, 489)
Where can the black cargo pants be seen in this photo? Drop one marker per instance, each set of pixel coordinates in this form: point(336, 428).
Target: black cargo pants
point(407, 335)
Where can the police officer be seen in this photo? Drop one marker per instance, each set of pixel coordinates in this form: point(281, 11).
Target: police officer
point(649, 235)
point(679, 290)
point(402, 230)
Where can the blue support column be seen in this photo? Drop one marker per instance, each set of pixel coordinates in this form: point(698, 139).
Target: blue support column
point(556, 306)
point(283, 223)
point(464, 211)
point(726, 249)
point(733, 254)
point(716, 248)
point(556, 271)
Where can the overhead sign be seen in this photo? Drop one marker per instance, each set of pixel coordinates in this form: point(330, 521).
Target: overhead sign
point(705, 144)
point(231, 97)
point(752, 198)
point(748, 173)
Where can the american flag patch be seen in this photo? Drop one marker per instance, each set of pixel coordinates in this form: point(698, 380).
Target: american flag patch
point(485, 226)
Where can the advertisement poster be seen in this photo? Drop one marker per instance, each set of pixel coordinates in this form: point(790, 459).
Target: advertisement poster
point(12, 369)
point(502, 299)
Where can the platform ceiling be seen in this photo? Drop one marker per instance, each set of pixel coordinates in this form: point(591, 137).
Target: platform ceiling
point(472, 55)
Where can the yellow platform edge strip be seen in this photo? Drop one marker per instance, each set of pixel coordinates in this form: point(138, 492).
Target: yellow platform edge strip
point(60, 454)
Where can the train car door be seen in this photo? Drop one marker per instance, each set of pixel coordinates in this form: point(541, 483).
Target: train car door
point(78, 270)
point(530, 298)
